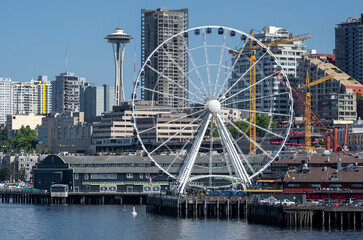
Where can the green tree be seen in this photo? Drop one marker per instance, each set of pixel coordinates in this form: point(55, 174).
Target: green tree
point(261, 120)
point(215, 130)
point(4, 173)
point(359, 96)
point(243, 126)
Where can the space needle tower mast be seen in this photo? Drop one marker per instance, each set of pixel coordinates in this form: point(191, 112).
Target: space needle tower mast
point(118, 39)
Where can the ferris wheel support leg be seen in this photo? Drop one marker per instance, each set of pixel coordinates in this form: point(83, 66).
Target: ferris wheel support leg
point(232, 152)
point(187, 167)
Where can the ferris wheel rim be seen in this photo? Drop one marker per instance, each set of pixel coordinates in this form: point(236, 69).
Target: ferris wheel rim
point(289, 92)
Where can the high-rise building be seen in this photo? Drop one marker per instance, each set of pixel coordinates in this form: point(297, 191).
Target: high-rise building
point(6, 98)
point(45, 95)
point(26, 97)
point(33, 97)
point(97, 100)
point(349, 47)
point(66, 92)
point(156, 27)
point(287, 54)
point(118, 39)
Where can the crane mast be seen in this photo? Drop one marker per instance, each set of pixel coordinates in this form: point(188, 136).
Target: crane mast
point(252, 99)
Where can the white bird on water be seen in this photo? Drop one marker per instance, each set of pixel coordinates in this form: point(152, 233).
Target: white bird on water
point(134, 213)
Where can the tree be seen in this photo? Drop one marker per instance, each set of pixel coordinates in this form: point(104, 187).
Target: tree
point(359, 96)
point(215, 130)
point(261, 121)
point(4, 173)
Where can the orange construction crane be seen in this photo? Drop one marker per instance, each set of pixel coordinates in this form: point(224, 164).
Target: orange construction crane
point(253, 99)
point(307, 119)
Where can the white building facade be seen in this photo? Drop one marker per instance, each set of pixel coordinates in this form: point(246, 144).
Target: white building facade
point(6, 98)
point(286, 54)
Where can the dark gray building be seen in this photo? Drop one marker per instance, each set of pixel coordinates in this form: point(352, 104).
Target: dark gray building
point(97, 100)
point(349, 47)
point(66, 92)
point(118, 173)
point(156, 27)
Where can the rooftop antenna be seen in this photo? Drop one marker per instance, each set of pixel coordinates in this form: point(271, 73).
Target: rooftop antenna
point(66, 60)
point(118, 21)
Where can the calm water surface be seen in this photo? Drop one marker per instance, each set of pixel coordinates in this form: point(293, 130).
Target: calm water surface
point(116, 222)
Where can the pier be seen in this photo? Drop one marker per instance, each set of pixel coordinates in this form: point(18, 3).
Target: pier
point(89, 198)
point(300, 217)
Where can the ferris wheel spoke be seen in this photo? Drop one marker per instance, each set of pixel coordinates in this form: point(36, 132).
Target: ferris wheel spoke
point(166, 109)
point(231, 150)
point(262, 97)
point(220, 62)
point(196, 69)
point(211, 142)
point(247, 137)
point(261, 112)
point(171, 80)
point(181, 70)
point(185, 144)
point(240, 53)
point(207, 61)
point(171, 95)
point(174, 120)
point(177, 133)
point(240, 78)
point(241, 91)
point(263, 129)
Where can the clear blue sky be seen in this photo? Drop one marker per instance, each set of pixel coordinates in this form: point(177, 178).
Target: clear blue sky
point(34, 34)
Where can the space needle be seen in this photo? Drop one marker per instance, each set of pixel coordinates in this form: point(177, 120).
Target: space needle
point(118, 39)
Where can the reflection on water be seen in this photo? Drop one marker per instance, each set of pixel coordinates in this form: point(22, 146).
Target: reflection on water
point(112, 222)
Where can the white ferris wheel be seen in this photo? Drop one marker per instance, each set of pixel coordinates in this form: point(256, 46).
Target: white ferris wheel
point(204, 113)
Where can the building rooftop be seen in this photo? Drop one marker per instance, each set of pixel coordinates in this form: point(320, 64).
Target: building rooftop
point(339, 75)
point(318, 175)
point(320, 159)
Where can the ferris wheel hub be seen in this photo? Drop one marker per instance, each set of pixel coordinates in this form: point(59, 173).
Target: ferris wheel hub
point(214, 106)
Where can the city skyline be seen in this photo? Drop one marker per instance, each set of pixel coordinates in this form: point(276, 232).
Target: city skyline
point(84, 29)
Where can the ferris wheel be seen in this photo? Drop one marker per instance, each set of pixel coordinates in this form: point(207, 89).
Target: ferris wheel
point(212, 97)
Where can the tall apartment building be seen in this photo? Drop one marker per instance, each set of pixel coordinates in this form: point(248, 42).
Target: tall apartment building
point(66, 92)
point(156, 27)
point(6, 98)
point(288, 55)
point(336, 98)
point(45, 95)
point(33, 97)
point(97, 100)
point(349, 47)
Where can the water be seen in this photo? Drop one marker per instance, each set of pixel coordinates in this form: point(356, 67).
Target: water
point(112, 222)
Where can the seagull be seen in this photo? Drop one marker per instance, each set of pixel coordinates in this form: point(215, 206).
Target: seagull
point(134, 213)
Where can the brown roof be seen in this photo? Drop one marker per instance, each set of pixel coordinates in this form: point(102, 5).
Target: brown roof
point(320, 159)
point(317, 175)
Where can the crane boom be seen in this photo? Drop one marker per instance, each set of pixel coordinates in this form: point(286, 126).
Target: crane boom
point(274, 43)
point(307, 119)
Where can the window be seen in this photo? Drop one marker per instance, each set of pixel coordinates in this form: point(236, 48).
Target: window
point(147, 175)
point(356, 185)
point(129, 175)
point(86, 176)
point(76, 176)
point(293, 185)
point(141, 176)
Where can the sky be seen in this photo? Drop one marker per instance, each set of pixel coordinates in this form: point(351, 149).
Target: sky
point(34, 34)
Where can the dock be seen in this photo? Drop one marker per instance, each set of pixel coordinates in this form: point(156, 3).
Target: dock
point(300, 217)
point(89, 198)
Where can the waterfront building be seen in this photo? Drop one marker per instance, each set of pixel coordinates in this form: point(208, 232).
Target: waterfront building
point(349, 47)
point(97, 100)
point(6, 98)
point(333, 99)
point(118, 39)
point(287, 54)
point(66, 132)
point(66, 92)
point(156, 27)
point(15, 121)
point(119, 173)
